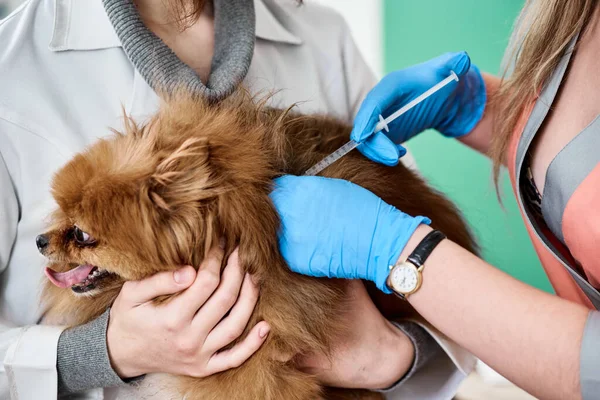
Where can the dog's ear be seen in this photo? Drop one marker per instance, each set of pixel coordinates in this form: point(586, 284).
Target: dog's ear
point(184, 178)
point(181, 195)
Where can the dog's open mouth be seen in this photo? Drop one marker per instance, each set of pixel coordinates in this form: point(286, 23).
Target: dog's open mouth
point(80, 279)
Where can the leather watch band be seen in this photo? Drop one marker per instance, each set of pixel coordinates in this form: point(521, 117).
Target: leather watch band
point(424, 249)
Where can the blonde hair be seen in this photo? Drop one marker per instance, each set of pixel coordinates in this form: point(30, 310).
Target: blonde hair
point(543, 32)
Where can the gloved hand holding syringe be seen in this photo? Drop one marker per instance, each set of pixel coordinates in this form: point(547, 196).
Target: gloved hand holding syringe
point(383, 124)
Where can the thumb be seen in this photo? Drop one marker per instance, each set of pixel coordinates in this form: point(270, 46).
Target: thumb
point(381, 149)
point(160, 284)
point(459, 62)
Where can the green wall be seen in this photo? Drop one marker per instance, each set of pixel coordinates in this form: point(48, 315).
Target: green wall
point(417, 30)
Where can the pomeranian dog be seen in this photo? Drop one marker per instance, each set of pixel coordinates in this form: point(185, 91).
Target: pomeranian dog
point(159, 196)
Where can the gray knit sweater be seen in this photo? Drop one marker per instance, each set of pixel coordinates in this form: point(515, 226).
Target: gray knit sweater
point(83, 362)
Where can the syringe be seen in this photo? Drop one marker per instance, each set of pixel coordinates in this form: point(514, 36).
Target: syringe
point(381, 125)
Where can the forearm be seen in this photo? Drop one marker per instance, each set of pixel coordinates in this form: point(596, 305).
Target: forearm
point(529, 336)
point(480, 138)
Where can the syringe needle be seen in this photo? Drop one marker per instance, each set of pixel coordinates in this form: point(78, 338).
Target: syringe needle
point(383, 123)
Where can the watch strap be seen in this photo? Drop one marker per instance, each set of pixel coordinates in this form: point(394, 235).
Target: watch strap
point(424, 249)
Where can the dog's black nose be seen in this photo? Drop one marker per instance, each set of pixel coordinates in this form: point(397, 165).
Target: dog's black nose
point(42, 242)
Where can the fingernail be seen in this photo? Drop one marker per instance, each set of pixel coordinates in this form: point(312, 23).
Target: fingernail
point(263, 331)
point(183, 275)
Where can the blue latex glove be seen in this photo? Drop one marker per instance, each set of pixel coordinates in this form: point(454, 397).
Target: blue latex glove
point(334, 228)
point(453, 111)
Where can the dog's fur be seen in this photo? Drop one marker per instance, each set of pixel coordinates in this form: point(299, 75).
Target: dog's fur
point(159, 196)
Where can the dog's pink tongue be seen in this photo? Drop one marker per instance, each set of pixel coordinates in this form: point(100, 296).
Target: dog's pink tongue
point(69, 278)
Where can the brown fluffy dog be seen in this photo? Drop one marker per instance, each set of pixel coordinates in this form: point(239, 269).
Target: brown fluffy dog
point(159, 196)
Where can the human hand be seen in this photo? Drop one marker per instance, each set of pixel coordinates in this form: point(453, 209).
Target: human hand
point(373, 354)
point(453, 111)
point(334, 228)
point(184, 336)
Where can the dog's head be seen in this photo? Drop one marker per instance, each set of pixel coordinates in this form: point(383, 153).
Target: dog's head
point(158, 196)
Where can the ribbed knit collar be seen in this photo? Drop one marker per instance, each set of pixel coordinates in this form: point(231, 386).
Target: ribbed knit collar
point(165, 72)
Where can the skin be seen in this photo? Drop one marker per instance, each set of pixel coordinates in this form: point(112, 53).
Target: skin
point(194, 44)
point(136, 324)
point(480, 138)
point(530, 330)
point(575, 105)
point(516, 329)
point(187, 332)
point(363, 359)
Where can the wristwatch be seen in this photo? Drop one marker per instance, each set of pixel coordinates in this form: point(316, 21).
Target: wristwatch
point(405, 277)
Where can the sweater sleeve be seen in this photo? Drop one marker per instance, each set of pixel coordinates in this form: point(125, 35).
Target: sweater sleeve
point(426, 349)
point(439, 366)
point(82, 362)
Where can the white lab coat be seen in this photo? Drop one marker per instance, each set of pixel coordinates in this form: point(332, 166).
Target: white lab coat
point(63, 79)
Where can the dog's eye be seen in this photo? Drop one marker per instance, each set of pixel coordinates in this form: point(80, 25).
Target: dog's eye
point(82, 237)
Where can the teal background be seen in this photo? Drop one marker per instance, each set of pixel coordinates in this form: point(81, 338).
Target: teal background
point(415, 31)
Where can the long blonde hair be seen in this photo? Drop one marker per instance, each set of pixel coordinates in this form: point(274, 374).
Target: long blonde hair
point(542, 35)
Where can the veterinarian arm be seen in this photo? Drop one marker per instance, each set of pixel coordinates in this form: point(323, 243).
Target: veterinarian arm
point(544, 344)
point(480, 138)
point(431, 350)
point(456, 111)
point(443, 370)
point(548, 346)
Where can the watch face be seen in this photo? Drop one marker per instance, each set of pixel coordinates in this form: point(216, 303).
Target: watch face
point(404, 278)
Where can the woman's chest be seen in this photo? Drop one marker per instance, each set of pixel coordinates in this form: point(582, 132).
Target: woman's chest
point(564, 159)
point(575, 108)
